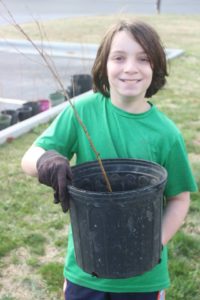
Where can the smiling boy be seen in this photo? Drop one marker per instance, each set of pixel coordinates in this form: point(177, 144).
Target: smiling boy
point(130, 67)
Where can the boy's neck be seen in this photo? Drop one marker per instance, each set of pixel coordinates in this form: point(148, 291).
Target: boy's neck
point(134, 107)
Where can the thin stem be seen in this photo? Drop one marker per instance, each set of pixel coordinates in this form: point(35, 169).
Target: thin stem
point(50, 64)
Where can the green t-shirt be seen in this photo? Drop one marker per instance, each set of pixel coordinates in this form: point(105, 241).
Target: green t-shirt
point(119, 134)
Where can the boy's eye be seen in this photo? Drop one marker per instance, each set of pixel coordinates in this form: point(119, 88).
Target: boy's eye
point(143, 59)
point(118, 58)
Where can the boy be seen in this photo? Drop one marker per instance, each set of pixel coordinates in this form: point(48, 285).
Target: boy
point(130, 67)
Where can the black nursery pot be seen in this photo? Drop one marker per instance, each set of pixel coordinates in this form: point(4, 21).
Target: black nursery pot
point(14, 115)
point(5, 121)
point(24, 113)
point(80, 83)
point(118, 234)
point(34, 105)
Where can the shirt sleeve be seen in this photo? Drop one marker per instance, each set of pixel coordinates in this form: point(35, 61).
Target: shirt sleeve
point(61, 135)
point(180, 177)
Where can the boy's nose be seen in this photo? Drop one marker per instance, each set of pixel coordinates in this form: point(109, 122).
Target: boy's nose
point(130, 66)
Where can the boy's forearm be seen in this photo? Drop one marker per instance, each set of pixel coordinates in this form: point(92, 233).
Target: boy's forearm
point(174, 215)
point(30, 159)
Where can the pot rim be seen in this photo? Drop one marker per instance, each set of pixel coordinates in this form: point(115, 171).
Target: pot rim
point(119, 194)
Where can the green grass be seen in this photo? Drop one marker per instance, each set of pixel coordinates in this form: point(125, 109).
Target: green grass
point(34, 231)
point(52, 274)
point(7, 298)
point(7, 244)
point(36, 242)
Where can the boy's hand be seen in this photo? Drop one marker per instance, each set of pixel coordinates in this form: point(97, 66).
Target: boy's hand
point(54, 171)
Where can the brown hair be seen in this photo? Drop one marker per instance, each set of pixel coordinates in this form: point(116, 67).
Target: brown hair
point(148, 39)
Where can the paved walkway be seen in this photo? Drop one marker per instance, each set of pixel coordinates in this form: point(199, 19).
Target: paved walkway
point(24, 10)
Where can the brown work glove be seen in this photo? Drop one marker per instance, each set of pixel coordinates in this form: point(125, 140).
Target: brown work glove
point(54, 171)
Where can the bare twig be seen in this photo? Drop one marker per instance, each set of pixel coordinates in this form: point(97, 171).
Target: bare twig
point(50, 64)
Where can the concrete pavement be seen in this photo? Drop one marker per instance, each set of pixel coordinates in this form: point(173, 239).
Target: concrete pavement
point(25, 11)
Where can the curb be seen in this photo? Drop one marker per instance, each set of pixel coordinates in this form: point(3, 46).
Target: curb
point(72, 50)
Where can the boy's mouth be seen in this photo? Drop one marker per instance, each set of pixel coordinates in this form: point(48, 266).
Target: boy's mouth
point(130, 80)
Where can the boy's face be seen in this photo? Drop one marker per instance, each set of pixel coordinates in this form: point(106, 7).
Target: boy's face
point(129, 72)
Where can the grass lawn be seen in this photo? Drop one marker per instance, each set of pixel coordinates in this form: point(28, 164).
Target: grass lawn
point(34, 231)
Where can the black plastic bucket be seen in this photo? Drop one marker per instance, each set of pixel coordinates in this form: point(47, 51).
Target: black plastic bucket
point(14, 115)
point(24, 113)
point(118, 234)
point(35, 108)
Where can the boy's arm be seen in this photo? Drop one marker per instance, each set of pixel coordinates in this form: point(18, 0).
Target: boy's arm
point(30, 159)
point(174, 215)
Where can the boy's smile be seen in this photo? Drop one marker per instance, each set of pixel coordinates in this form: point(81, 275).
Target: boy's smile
point(129, 73)
point(131, 80)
